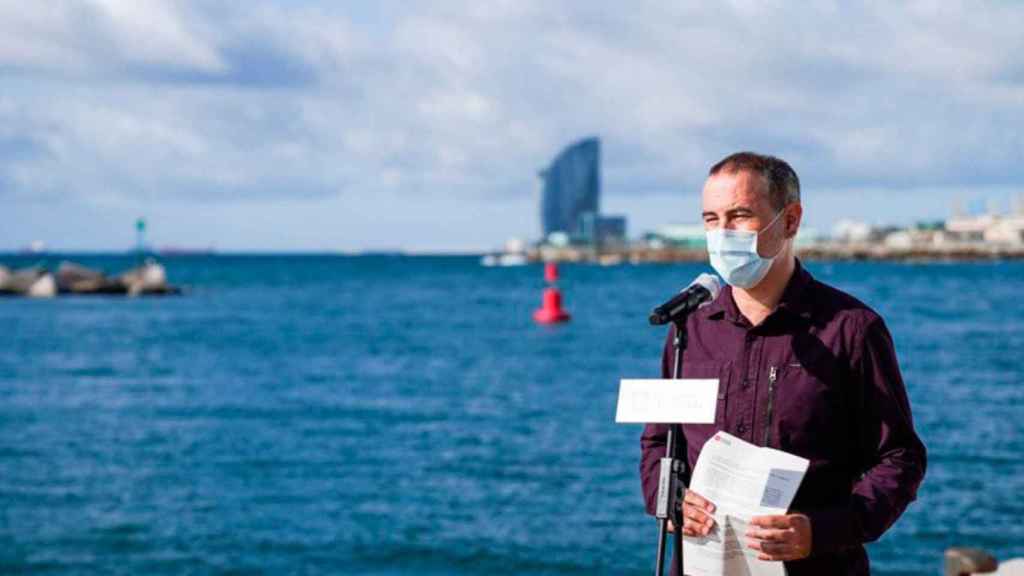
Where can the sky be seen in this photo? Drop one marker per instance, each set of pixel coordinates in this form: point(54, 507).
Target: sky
point(421, 126)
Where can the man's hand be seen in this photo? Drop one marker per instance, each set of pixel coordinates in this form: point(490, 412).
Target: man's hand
point(786, 537)
point(697, 520)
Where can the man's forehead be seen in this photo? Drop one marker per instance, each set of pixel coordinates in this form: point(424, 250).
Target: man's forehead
point(734, 189)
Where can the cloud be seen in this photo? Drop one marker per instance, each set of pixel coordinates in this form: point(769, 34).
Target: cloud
point(114, 101)
point(85, 38)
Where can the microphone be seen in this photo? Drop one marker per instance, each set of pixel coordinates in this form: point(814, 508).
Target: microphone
point(699, 293)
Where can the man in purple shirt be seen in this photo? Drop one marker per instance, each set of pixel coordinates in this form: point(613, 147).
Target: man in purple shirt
point(802, 367)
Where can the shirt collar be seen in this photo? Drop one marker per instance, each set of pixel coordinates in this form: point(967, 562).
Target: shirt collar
point(796, 299)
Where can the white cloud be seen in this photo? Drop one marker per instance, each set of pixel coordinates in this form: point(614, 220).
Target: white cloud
point(101, 36)
point(156, 32)
point(181, 102)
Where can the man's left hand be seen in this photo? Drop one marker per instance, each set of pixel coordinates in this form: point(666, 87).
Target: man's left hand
point(786, 537)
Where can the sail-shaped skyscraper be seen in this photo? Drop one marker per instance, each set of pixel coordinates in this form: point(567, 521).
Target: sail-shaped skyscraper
point(572, 187)
point(572, 196)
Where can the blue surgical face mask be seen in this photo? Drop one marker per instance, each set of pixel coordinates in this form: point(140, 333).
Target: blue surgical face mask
point(733, 254)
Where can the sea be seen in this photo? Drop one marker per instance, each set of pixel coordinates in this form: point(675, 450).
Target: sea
point(392, 415)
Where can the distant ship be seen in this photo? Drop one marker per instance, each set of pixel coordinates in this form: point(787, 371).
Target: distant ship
point(35, 247)
point(503, 260)
point(514, 255)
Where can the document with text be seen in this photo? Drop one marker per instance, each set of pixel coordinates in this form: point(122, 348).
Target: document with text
point(742, 480)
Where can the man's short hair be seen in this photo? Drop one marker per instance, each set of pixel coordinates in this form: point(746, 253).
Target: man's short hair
point(783, 183)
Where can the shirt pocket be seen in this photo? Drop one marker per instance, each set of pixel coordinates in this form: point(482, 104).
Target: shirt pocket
point(809, 412)
point(712, 370)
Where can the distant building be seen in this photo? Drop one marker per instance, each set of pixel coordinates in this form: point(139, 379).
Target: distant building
point(515, 246)
point(990, 228)
point(852, 231)
point(571, 200)
point(691, 236)
point(601, 230)
point(909, 238)
point(808, 237)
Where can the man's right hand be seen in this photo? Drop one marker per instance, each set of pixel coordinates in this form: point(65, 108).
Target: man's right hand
point(697, 519)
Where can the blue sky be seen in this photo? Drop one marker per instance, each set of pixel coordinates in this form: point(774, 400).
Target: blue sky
point(421, 126)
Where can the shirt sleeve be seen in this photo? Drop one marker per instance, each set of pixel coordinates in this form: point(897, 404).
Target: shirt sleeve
point(892, 454)
point(653, 440)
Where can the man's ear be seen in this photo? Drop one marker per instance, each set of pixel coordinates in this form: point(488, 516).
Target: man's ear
point(794, 214)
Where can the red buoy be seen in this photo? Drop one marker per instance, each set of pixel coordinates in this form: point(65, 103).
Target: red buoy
point(551, 311)
point(551, 272)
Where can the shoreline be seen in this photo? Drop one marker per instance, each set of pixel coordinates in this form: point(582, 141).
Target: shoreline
point(862, 252)
point(858, 252)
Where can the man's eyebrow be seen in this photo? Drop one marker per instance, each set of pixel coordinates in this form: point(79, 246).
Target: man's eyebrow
point(739, 210)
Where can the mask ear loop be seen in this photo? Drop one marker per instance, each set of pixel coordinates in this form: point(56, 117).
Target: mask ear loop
point(770, 224)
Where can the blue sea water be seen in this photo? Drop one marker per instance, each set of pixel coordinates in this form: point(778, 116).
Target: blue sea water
point(397, 415)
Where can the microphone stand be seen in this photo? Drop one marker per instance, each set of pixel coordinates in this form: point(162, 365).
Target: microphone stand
point(671, 488)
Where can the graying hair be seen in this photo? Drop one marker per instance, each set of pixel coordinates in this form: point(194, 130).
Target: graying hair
point(783, 183)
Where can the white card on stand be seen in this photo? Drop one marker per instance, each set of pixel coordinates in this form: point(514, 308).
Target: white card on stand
point(664, 401)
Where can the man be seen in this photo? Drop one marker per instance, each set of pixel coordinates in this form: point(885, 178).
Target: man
point(802, 367)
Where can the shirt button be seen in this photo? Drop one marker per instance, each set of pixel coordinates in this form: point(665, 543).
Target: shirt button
point(746, 383)
point(750, 337)
point(741, 428)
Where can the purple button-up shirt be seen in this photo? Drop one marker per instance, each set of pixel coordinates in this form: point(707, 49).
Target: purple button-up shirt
point(819, 379)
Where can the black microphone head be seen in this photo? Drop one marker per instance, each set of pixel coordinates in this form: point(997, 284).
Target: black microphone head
point(702, 291)
point(709, 282)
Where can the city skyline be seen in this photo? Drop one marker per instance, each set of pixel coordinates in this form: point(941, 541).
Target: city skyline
point(308, 126)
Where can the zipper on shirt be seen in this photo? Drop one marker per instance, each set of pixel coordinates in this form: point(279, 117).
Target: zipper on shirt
point(773, 375)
